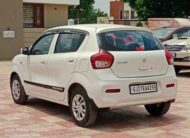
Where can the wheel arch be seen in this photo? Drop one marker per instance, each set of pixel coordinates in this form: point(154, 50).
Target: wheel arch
point(71, 87)
point(74, 85)
point(12, 75)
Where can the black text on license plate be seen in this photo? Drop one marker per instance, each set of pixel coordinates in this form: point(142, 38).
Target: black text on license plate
point(143, 88)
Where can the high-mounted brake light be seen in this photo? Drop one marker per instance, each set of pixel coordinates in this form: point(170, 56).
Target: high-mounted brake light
point(102, 60)
point(169, 57)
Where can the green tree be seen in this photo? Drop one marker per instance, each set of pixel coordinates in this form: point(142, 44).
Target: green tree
point(160, 8)
point(85, 12)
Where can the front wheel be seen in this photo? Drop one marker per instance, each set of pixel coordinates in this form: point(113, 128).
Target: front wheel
point(158, 109)
point(82, 109)
point(18, 94)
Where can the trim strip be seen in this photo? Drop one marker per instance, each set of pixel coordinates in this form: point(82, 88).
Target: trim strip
point(59, 89)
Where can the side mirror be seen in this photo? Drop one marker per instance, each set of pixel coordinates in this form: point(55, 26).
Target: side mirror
point(25, 51)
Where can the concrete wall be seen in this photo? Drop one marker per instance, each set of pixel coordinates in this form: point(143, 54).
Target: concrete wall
point(31, 34)
point(55, 15)
point(11, 19)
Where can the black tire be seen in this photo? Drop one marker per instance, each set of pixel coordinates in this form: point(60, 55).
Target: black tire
point(158, 109)
point(90, 114)
point(177, 70)
point(21, 97)
point(103, 109)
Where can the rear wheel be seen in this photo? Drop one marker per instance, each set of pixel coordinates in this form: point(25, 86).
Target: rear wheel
point(82, 109)
point(18, 94)
point(158, 109)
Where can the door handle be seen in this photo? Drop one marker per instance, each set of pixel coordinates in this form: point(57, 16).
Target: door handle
point(70, 60)
point(43, 62)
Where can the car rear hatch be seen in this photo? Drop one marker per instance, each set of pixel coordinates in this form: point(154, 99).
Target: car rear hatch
point(139, 64)
point(136, 53)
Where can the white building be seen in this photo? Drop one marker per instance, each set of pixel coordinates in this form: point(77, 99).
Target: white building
point(128, 12)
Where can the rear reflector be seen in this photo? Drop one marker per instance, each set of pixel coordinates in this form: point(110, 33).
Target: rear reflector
point(170, 85)
point(112, 90)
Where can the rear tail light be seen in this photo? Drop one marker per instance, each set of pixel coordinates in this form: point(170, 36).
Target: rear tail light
point(102, 60)
point(169, 57)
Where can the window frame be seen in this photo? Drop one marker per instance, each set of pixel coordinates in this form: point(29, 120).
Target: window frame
point(69, 32)
point(34, 10)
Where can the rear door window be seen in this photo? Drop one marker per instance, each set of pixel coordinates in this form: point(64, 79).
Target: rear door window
point(183, 32)
point(128, 41)
point(69, 42)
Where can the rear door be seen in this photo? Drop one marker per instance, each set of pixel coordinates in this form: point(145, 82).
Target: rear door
point(136, 53)
point(61, 63)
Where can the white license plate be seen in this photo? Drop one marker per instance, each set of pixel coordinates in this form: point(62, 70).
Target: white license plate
point(143, 88)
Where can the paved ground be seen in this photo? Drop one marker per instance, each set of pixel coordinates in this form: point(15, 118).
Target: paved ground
point(44, 119)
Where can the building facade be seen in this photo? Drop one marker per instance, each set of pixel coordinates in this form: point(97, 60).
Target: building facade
point(116, 9)
point(23, 20)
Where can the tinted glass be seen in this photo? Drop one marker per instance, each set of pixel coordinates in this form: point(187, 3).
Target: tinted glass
point(183, 33)
point(43, 45)
point(128, 41)
point(163, 32)
point(68, 42)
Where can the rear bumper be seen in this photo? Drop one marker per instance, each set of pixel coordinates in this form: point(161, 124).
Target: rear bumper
point(124, 98)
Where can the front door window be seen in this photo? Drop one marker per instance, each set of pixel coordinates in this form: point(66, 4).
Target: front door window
point(42, 46)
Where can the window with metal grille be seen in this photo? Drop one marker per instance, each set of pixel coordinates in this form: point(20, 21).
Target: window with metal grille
point(33, 15)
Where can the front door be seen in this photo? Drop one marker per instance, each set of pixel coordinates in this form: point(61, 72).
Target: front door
point(36, 83)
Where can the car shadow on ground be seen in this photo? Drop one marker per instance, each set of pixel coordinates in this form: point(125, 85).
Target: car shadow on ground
point(184, 73)
point(114, 120)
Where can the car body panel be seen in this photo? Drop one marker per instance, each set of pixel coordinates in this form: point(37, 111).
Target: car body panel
point(60, 71)
point(139, 64)
point(180, 47)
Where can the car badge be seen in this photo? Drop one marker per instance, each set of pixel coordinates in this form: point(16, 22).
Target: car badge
point(144, 60)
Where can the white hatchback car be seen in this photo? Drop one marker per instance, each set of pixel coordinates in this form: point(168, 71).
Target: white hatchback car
point(94, 67)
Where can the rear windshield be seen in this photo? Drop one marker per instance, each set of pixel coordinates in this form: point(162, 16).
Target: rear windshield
point(128, 41)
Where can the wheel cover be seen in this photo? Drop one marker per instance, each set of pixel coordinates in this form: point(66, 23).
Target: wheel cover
point(16, 89)
point(79, 107)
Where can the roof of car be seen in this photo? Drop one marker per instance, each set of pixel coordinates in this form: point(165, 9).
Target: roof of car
point(100, 27)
